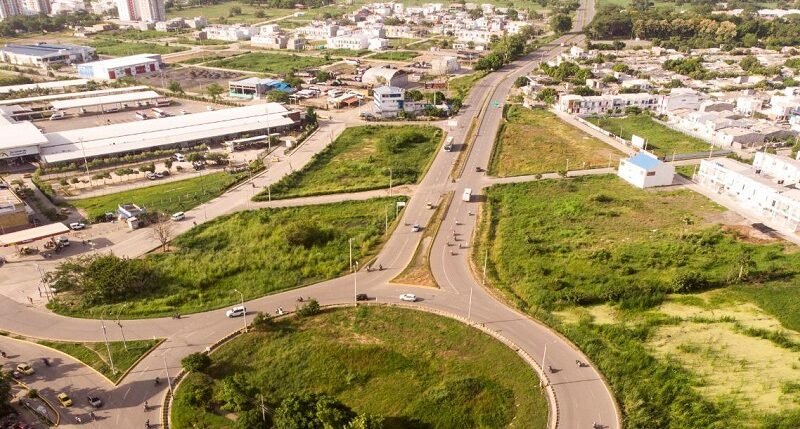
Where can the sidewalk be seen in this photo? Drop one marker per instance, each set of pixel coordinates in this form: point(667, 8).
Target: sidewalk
point(594, 133)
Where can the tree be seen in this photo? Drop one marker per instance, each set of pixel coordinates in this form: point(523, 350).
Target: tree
point(260, 13)
point(175, 86)
point(168, 163)
point(310, 308)
point(311, 117)
point(235, 394)
point(311, 411)
point(366, 421)
point(235, 10)
point(147, 168)
point(162, 231)
point(521, 81)
point(5, 393)
point(214, 90)
point(253, 419)
point(196, 362)
point(323, 76)
point(547, 95)
point(218, 158)
point(512, 14)
point(278, 97)
point(560, 23)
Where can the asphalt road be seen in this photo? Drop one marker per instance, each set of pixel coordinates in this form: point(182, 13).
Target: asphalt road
point(581, 394)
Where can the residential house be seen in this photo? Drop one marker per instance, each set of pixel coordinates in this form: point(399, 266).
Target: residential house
point(645, 170)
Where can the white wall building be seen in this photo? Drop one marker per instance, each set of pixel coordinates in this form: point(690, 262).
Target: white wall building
point(644, 170)
point(606, 103)
point(786, 171)
point(230, 33)
point(116, 68)
point(319, 31)
point(356, 42)
point(46, 54)
point(388, 100)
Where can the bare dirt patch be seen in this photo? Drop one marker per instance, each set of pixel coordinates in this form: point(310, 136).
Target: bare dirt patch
point(194, 79)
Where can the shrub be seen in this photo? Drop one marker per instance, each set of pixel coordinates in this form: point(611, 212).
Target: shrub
point(196, 362)
point(308, 309)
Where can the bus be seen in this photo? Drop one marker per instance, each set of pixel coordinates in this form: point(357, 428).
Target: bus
point(159, 113)
point(467, 196)
point(163, 102)
point(448, 144)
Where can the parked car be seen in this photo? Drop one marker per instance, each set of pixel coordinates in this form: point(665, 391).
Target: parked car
point(178, 216)
point(410, 297)
point(179, 157)
point(362, 297)
point(75, 226)
point(237, 311)
point(94, 401)
point(64, 399)
point(57, 115)
point(24, 368)
point(62, 241)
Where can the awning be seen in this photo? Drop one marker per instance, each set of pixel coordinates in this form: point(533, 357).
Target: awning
point(31, 234)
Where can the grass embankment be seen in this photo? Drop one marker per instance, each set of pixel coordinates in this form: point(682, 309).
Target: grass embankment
point(661, 140)
point(619, 271)
point(395, 55)
point(417, 370)
point(418, 271)
point(222, 10)
point(360, 160)
point(270, 63)
point(95, 355)
point(120, 48)
point(462, 85)
point(346, 52)
point(180, 195)
point(534, 141)
point(257, 252)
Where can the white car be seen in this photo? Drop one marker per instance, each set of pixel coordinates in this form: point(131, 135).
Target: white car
point(57, 115)
point(178, 216)
point(415, 228)
point(76, 226)
point(410, 297)
point(236, 311)
point(62, 241)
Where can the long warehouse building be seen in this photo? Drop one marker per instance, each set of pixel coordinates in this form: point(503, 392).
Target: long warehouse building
point(174, 131)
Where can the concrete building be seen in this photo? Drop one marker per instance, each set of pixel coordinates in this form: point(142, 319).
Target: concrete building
point(10, 8)
point(388, 100)
point(254, 87)
point(13, 211)
point(45, 54)
point(230, 33)
point(318, 31)
point(141, 10)
point(36, 7)
point(355, 42)
point(444, 65)
point(124, 66)
point(754, 191)
point(786, 171)
point(644, 170)
point(379, 76)
point(606, 103)
point(270, 41)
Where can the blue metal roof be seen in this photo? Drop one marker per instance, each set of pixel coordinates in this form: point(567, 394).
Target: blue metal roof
point(644, 161)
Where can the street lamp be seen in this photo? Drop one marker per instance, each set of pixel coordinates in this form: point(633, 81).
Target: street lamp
point(244, 313)
point(124, 343)
point(108, 347)
point(355, 286)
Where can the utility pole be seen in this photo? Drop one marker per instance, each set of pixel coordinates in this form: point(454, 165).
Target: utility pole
point(124, 343)
point(108, 347)
point(355, 286)
point(386, 220)
point(390, 181)
point(350, 244)
point(169, 382)
point(485, 260)
point(244, 314)
point(469, 308)
point(544, 356)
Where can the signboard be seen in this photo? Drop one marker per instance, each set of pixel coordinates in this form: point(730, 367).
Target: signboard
point(638, 141)
point(18, 151)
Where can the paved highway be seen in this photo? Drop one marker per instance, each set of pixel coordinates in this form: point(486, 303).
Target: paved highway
point(581, 394)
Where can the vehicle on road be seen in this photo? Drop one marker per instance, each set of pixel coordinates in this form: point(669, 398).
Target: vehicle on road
point(160, 113)
point(178, 216)
point(362, 297)
point(62, 241)
point(94, 401)
point(57, 115)
point(64, 399)
point(75, 226)
point(429, 205)
point(179, 157)
point(409, 297)
point(140, 115)
point(467, 196)
point(24, 368)
point(448, 144)
point(237, 311)
point(415, 227)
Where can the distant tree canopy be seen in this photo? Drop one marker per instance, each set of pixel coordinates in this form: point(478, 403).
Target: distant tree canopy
point(17, 24)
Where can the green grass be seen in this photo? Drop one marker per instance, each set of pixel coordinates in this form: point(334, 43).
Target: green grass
point(222, 10)
point(198, 60)
point(360, 159)
point(167, 198)
point(417, 370)
point(346, 52)
point(568, 246)
point(257, 252)
point(686, 170)
point(537, 141)
point(463, 84)
point(207, 42)
point(118, 48)
point(395, 55)
point(95, 355)
point(270, 63)
point(661, 140)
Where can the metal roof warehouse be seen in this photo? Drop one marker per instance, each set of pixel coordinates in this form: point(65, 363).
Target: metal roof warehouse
point(59, 84)
point(104, 100)
point(71, 95)
point(175, 130)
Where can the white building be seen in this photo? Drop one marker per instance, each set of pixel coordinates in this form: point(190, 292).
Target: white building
point(355, 42)
point(46, 54)
point(388, 100)
point(141, 10)
point(10, 8)
point(786, 171)
point(478, 37)
point(68, 6)
point(318, 31)
point(230, 33)
point(755, 192)
point(681, 98)
point(644, 170)
point(118, 67)
point(606, 103)
point(270, 41)
point(35, 7)
point(444, 65)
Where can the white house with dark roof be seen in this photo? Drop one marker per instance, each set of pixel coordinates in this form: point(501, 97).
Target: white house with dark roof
point(644, 170)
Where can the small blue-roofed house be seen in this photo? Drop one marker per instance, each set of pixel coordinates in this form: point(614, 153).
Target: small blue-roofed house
point(645, 170)
point(256, 87)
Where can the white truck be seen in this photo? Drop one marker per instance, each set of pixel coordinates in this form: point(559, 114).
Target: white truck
point(448, 144)
point(467, 196)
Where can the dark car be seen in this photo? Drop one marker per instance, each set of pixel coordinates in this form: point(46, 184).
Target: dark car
point(94, 401)
point(362, 297)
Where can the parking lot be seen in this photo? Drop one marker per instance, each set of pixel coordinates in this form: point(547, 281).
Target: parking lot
point(94, 117)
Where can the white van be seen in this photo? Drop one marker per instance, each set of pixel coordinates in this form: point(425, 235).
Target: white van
point(178, 216)
point(58, 114)
point(179, 157)
point(159, 113)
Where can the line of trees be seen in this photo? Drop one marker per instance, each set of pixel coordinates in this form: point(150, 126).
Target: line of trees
point(505, 50)
point(15, 25)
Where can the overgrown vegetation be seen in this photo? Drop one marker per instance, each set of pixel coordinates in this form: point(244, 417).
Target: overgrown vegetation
point(270, 63)
point(577, 243)
point(661, 140)
point(360, 160)
point(257, 252)
point(449, 376)
point(537, 141)
point(119, 48)
point(395, 55)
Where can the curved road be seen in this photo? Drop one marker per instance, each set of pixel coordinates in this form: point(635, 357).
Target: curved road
point(581, 395)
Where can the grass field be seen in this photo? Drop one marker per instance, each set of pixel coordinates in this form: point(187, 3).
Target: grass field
point(346, 52)
point(95, 355)
point(360, 160)
point(167, 198)
point(448, 376)
point(463, 84)
point(537, 141)
point(257, 252)
point(395, 55)
point(270, 63)
point(207, 42)
point(222, 10)
point(201, 59)
point(673, 307)
point(118, 48)
point(661, 140)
